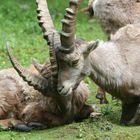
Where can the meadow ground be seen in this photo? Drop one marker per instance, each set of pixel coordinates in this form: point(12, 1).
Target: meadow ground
point(18, 25)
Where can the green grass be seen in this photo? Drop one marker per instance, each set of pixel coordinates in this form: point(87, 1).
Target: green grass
point(18, 25)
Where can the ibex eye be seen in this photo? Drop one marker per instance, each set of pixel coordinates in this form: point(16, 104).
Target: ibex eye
point(75, 62)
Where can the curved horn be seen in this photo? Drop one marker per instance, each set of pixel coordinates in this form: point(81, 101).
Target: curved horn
point(68, 27)
point(46, 23)
point(37, 65)
point(44, 70)
point(37, 81)
point(53, 60)
point(50, 34)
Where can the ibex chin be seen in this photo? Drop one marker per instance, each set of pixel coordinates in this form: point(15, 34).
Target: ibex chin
point(44, 107)
point(114, 65)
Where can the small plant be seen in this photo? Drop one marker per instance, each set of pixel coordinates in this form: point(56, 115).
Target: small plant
point(81, 133)
point(107, 127)
point(107, 109)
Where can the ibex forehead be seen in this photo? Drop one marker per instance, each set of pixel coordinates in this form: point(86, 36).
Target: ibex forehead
point(75, 55)
point(79, 46)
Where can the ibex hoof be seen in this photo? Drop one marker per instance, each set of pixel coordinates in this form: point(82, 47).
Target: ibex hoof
point(36, 125)
point(103, 101)
point(20, 127)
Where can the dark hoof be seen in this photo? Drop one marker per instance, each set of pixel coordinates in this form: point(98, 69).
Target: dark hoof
point(103, 101)
point(20, 127)
point(99, 96)
point(124, 122)
point(36, 125)
point(27, 127)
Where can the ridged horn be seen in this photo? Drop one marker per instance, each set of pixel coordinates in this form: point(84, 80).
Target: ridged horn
point(53, 60)
point(45, 22)
point(44, 70)
point(37, 65)
point(50, 34)
point(38, 82)
point(68, 27)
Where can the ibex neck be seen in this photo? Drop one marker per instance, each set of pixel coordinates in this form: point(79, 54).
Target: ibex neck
point(108, 68)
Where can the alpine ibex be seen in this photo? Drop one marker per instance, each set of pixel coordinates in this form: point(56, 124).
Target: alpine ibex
point(114, 65)
point(114, 14)
point(24, 108)
point(28, 108)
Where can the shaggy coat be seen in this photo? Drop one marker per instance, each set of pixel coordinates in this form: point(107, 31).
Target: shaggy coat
point(21, 105)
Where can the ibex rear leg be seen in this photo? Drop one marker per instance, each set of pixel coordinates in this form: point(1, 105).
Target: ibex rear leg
point(128, 112)
point(101, 95)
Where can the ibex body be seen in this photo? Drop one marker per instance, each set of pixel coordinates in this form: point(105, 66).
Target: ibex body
point(25, 108)
point(112, 15)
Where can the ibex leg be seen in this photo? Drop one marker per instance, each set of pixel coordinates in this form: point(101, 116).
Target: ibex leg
point(101, 95)
point(128, 112)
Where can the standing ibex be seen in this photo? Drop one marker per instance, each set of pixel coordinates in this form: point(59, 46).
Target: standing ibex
point(114, 65)
point(112, 15)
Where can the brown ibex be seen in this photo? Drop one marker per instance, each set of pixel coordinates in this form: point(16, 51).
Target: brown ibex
point(114, 65)
point(26, 108)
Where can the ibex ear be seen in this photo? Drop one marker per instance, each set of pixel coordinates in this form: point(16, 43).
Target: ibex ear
point(92, 45)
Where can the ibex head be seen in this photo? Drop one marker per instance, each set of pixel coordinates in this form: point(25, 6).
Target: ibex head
point(70, 52)
point(72, 66)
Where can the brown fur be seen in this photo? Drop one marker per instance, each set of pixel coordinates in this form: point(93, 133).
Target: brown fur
point(20, 103)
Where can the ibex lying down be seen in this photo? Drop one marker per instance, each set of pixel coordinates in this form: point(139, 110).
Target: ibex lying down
point(114, 65)
point(114, 14)
point(40, 111)
point(24, 108)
